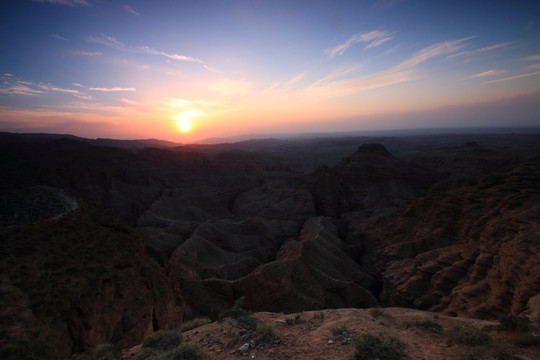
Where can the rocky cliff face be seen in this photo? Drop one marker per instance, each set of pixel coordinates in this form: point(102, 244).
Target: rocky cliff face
point(468, 248)
point(71, 283)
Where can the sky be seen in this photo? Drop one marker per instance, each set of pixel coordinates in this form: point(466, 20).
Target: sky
point(189, 70)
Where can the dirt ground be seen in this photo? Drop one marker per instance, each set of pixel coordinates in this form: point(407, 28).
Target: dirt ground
point(314, 335)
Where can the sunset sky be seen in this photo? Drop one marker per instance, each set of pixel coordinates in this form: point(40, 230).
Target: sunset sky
point(189, 70)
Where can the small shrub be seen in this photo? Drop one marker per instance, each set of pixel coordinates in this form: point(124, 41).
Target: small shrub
point(163, 340)
point(185, 352)
point(239, 314)
point(513, 322)
point(289, 321)
point(468, 336)
point(318, 316)
point(426, 325)
point(338, 330)
point(376, 312)
point(265, 329)
point(146, 354)
point(195, 323)
point(526, 339)
point(105, 352)
point(369, 346)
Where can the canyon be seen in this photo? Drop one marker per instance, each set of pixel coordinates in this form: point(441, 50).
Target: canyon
point(107, 241)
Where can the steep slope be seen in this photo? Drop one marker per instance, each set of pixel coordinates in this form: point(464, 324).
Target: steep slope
point(72, 282)
point(468, 248)
point(311, 271)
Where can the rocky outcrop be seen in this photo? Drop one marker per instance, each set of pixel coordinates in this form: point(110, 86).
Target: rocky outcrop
point(71, 283)
point(311, 271)
point(369, 179)
point(468, 248)
point(230, 249)
point(286, 200)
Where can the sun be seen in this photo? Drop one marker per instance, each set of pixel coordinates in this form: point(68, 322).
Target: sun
point(184, 125)
point(184, 120)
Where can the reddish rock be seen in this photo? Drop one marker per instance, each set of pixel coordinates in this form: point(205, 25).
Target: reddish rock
point(467, 248)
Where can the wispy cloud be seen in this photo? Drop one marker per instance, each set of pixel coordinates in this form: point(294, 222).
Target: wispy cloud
point(488, 73)
point(495, 47)
point(65, 2)
point(339, 73)
point(152, 51)
point(520, 76)
point(112, 89)
point(77, 84)
point(130, 10)
point(50, 87)
point(88, 53)
point(57, 36)
point(110, 42)
point(404, 71)
point(297, 78)
point(14, 86)
point(532, 58)
point(113, 43)
point(128, 101)
point(374, 38)
point(212, 69)
point(482, 50)
point(19, 89)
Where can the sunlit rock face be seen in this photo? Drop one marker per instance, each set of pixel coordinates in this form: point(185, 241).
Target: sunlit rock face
point(470, 247)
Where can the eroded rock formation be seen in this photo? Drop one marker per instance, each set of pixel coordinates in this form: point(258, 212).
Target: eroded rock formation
point(467, 248)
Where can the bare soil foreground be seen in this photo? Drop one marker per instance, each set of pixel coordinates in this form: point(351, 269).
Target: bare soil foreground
point(330, 334)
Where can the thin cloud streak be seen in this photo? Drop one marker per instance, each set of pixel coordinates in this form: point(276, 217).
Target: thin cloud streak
point(482, 50)
point(19, 89)
point(88, 53)
point(532, 58)
point(28, 88)
point(374, 38)
point(488, 73)
point(130, 10)
point(57, 36)
point(212, 69)
point(112, 89)
point(113, 43)
point(50, 87)
point(401, 72)
point(297, 78)
point(65, 2)
point(520, 76)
